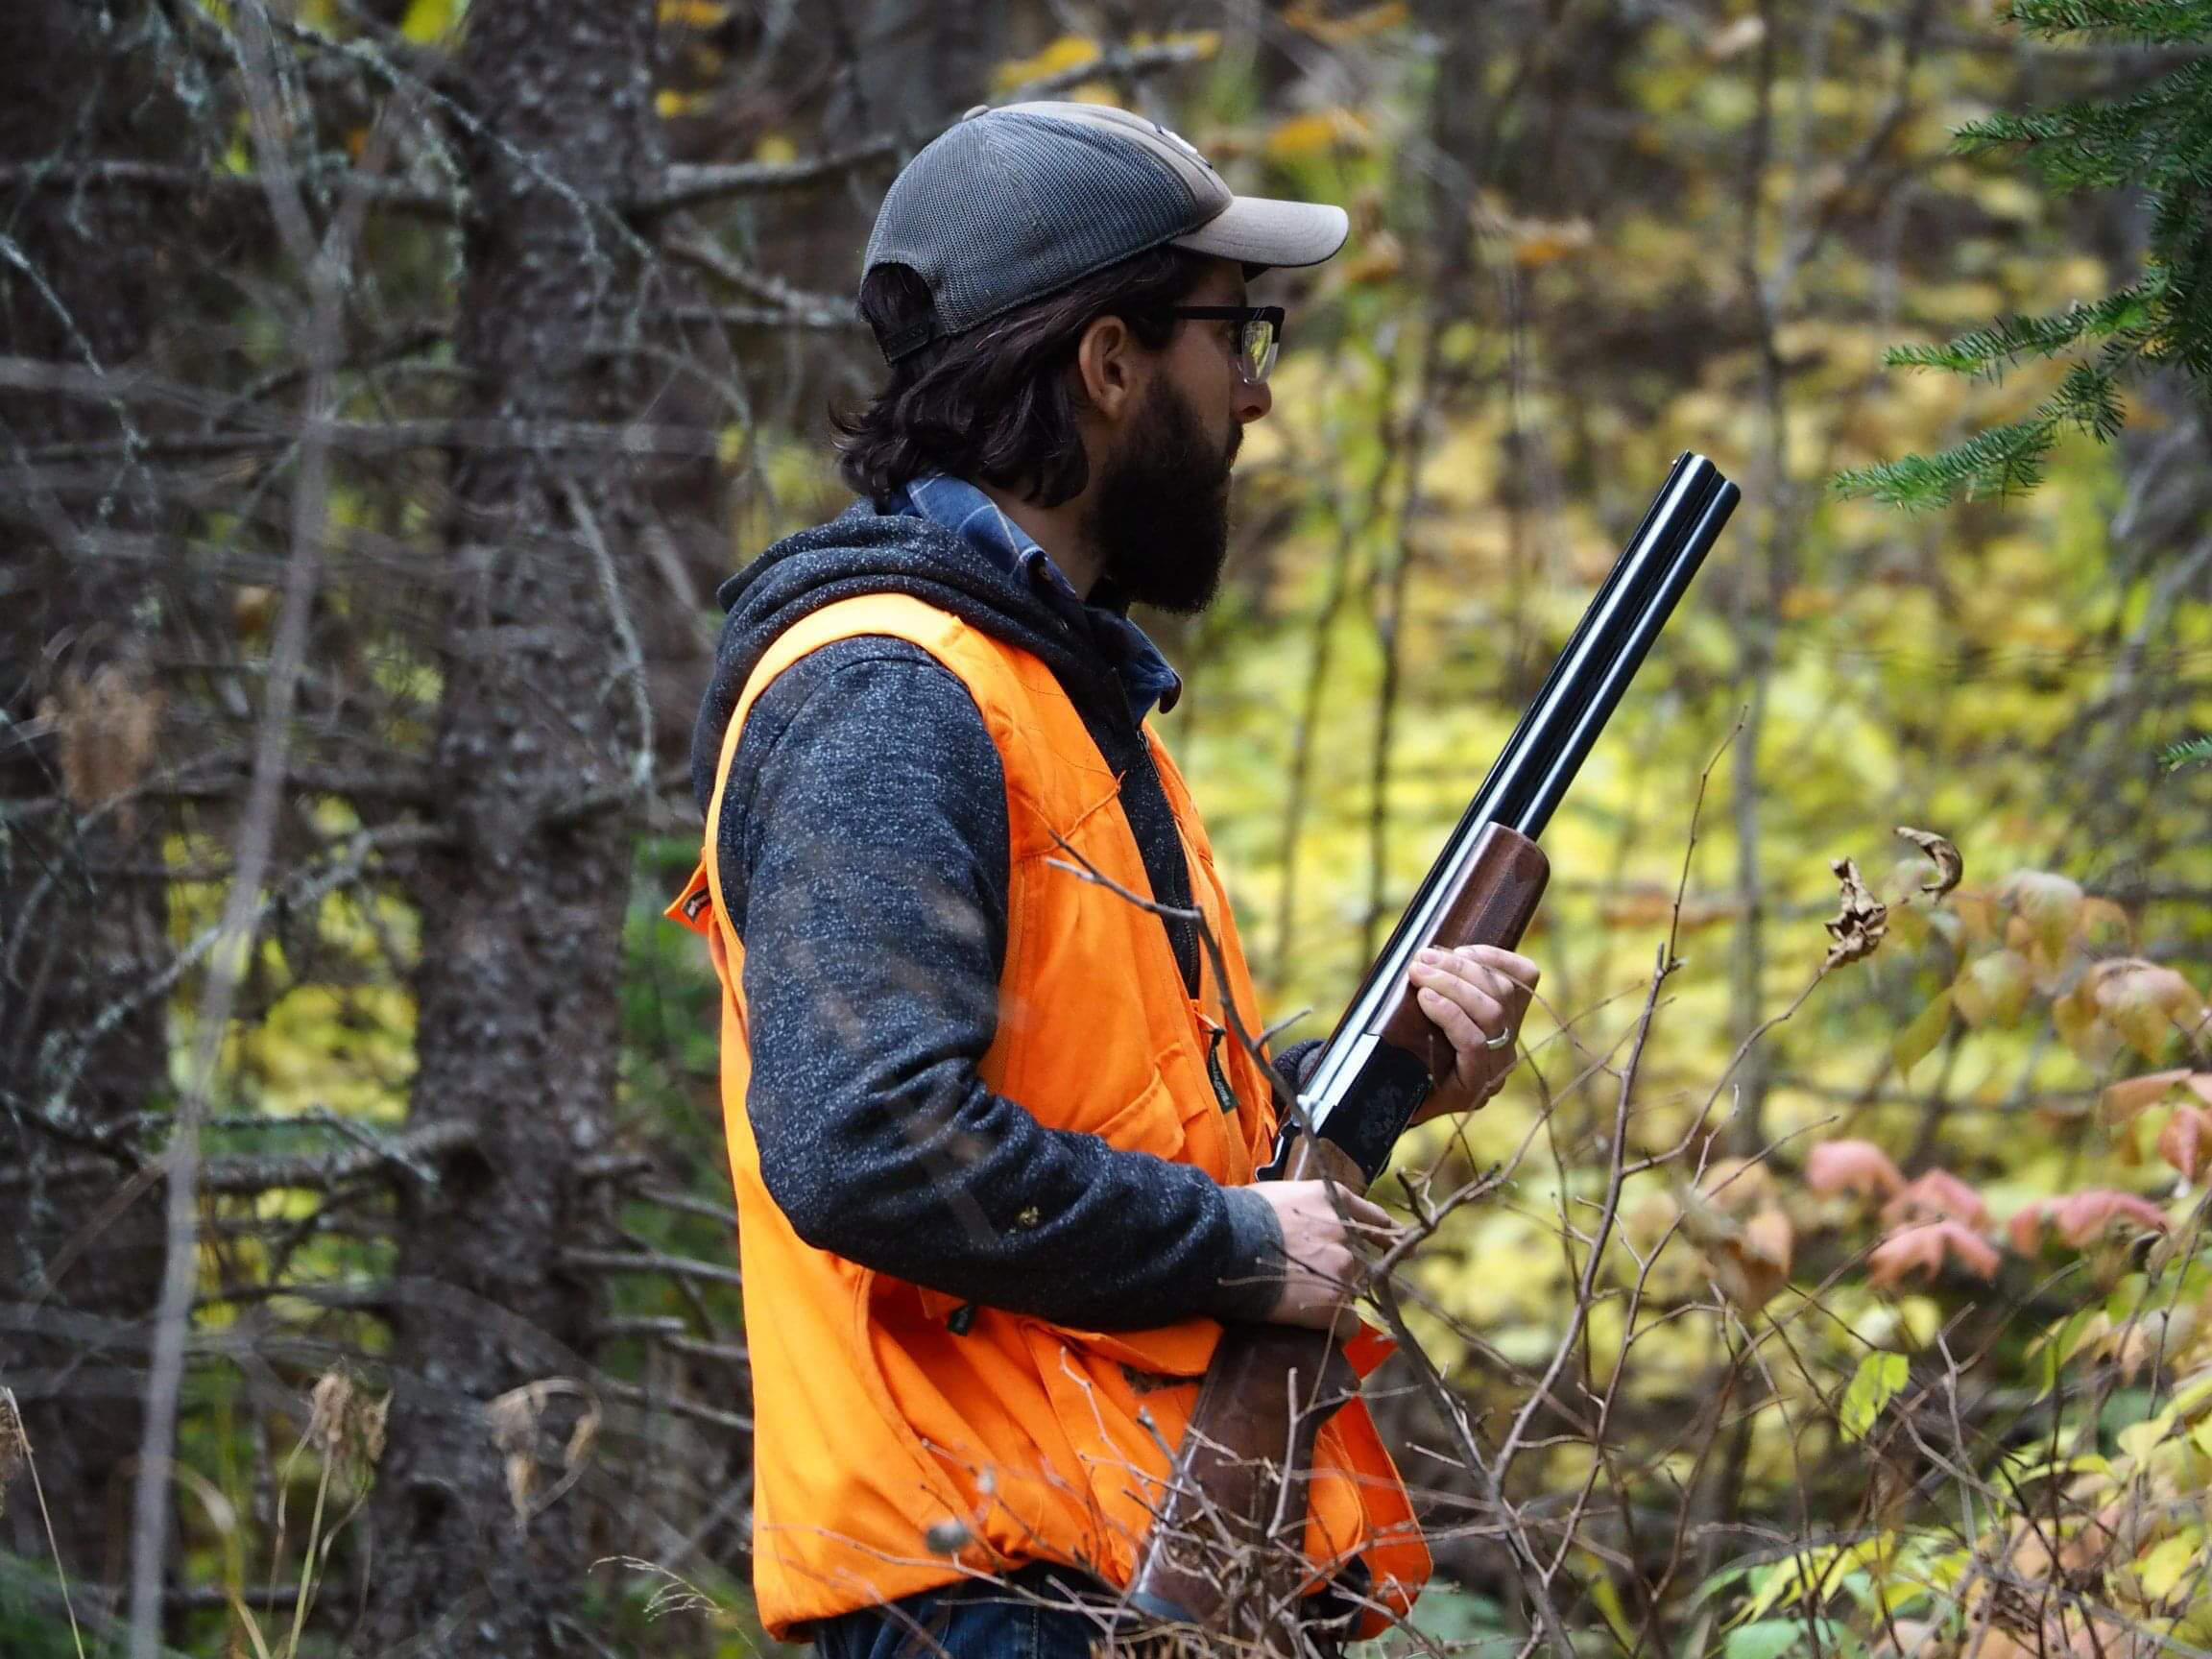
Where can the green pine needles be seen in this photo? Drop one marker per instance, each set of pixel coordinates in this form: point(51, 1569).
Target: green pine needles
point(2196, 752)
point(2156, 139)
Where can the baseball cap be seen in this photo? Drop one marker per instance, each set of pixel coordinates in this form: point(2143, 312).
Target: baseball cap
point(1013, 203)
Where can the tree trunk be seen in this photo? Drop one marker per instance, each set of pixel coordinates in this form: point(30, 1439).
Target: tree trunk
point(542, 728)
point(81, 922)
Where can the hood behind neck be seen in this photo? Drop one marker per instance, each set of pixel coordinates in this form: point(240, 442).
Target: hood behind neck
point(866, 551)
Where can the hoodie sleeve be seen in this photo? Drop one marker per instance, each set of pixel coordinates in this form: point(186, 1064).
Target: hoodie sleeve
point(864, 854)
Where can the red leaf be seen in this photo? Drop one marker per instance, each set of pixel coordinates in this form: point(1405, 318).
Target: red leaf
point(1938, 1196)
point(1923, 1247)
point(2084, 1217)
point(1851, 1167)
point(2025, 1228)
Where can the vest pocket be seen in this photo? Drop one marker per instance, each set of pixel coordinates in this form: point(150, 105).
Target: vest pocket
point(1150, 1123)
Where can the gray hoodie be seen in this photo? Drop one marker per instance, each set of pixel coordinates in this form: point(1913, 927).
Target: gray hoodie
point(863, 855)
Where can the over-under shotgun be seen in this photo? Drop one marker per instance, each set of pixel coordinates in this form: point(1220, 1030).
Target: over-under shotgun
point(1223, 1554)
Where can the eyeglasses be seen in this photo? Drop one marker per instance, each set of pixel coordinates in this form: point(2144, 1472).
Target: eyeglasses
point(1257, 338)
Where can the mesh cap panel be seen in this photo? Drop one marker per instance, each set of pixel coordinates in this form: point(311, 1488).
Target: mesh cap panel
point(1005, 208)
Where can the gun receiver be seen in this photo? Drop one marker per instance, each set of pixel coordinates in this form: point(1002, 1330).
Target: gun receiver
point(1224, 1552)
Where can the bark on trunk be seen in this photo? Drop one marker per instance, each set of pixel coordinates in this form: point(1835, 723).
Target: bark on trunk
point(80, 1058)
point(542, 727)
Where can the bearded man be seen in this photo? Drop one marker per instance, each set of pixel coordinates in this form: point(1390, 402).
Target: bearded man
point(993, 1137)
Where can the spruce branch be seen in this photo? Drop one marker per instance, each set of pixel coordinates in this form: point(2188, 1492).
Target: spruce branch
point(2156, 139)
point(2003, 461)
point(2154, 22)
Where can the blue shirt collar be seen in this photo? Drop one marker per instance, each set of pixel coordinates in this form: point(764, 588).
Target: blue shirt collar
point(960, 507)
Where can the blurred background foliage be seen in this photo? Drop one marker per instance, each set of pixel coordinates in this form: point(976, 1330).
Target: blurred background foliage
point(1813, 1399)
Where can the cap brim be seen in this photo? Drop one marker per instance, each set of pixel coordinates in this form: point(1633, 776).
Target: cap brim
point(1260, 231)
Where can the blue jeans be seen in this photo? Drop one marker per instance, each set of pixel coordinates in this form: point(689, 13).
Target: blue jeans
point(1027, 1616)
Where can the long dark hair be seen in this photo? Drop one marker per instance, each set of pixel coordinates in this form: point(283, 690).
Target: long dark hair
point(996, 403)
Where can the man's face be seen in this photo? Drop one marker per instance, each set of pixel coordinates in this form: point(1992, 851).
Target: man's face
point(1160, 515)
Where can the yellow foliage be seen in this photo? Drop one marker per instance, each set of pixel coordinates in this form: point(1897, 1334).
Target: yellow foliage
point(1095, 92)
point(1309, 18)
point(426, 22)
point(1067, 52)
point(1316, 134)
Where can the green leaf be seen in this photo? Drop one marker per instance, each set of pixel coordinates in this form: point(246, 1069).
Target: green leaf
point(2163, 1569)
point(1720, 1581)
point(2138, 1439)
point(1607, 1596)
point(1873, 1385)
point(1768, 1639)
point(1926, 1030)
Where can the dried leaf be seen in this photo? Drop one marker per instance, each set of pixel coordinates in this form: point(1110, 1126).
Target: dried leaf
point(2145, 1003)
point(2186, 1140)
point(1949, 867)
point(1852, 1167)
point(2050, 905)
point(252, 609)
point(107, 725)
point(1748, 1259)
point(1738, 1185)
point(1938, 1195)
point(328, 1408)
point(1751, 1263)
point(1859, 924)
point(373, 1419)
point(581, 1439)
point(513, 1422)
point(2125, 1099)
point(1745, 1272)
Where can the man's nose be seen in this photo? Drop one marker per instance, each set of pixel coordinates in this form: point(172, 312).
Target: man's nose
point(1253, 401)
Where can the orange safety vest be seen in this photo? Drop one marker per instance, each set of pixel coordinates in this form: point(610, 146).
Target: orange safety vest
point(893, 1453)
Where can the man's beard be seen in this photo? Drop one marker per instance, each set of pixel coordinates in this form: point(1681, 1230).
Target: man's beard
point(1160, 518)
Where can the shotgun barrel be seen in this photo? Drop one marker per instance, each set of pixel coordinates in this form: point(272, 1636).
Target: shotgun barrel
point(1363, 1089)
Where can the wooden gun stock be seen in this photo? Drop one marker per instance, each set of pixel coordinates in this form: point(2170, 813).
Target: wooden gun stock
point(1504, 886)
point(1225, 1553)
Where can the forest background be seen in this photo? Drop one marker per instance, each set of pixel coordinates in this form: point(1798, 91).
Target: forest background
point(384, 391)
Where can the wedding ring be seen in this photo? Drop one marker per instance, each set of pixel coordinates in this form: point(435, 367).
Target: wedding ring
point(1504, 1040)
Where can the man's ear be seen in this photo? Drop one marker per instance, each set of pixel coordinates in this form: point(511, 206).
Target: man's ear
point(1110, 368)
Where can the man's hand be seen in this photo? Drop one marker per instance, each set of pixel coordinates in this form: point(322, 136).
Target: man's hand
point(1478, 996)
point(1322, 1223)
